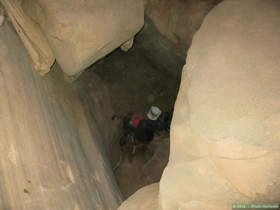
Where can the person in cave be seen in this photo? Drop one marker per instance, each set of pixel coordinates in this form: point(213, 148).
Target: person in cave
point(142, 128)
point(148, 126)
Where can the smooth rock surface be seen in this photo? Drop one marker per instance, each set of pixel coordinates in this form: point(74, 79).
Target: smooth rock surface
point(225, 136)
point(144, 199)
point(33, 38)
point(81, 32)
point(52, 137)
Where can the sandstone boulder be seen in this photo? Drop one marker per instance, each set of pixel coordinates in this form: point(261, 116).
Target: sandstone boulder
point(81, 32)
point(77, 32)
point(225, 134)
point(35, 42)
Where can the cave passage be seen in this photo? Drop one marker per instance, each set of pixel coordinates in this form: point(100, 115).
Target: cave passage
point(68, 67)
point(134, 84)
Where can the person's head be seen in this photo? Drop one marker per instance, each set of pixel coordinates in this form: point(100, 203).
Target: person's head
point(154, 113)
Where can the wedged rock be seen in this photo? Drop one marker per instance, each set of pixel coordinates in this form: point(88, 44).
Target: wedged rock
point(81, 32)
point(42, 57)
point(127, 45)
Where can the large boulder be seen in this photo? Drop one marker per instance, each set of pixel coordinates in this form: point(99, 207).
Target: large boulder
point(33, 38)
point(225, 135)
point(79, 32)
point(225, 144)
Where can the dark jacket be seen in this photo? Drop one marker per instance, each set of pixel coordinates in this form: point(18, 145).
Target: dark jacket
point(146, 130)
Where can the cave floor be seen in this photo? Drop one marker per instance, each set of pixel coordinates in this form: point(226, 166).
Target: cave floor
point(135, 84)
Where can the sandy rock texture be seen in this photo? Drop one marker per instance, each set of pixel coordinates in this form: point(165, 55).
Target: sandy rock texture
point(178, 20)
point(2, 16)
point(225, 134)
point(52, 137)
point(78, 32)
point(81, 32)
point(225, 131)
point(33, 38)
point(145, 198)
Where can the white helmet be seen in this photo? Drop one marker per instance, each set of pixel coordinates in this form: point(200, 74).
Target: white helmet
point(154, 113)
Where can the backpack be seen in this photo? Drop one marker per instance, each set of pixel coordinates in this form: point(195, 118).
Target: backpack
point(136, 119)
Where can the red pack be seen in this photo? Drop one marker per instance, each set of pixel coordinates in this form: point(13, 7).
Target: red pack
point(136, 119)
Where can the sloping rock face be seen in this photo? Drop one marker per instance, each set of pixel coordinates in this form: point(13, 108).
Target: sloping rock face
point(225, 135)
point(80, 32)
point(225, 131)
point(52, 137)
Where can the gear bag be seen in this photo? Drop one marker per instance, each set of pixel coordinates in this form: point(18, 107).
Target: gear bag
point(136, 119)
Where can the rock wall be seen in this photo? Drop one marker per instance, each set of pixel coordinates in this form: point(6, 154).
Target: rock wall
point(169, 29)
point(225, 131)
point(52, 153)
point(178, 20)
